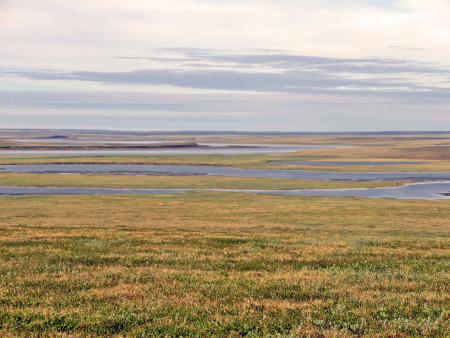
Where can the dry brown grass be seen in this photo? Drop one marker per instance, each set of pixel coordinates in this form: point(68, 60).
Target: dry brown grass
point(225, 264)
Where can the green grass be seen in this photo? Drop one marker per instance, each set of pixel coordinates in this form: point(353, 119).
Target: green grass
point(188, 182)
point(250, 161)
point(223, 264)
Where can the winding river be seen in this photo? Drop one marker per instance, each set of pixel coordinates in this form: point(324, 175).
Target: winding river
point(439, 189)
point(196, 170)
point(430, 190)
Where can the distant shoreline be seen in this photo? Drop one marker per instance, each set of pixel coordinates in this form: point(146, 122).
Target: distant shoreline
point(100, 147)
point(225, 132)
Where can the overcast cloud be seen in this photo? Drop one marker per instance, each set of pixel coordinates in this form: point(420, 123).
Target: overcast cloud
point(313, 65)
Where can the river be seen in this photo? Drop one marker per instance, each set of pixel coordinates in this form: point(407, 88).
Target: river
point(196, 170)
point(430, 190)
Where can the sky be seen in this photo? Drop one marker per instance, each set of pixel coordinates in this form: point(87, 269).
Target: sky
point(242, 65)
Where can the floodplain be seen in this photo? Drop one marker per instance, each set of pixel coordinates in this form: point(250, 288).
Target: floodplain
point(204, 263)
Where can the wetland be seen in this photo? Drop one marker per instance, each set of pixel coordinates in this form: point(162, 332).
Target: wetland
point(226, 244)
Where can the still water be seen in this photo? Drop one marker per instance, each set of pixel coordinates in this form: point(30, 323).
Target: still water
point(196, 170)
point(434, 190)
point(202, 149)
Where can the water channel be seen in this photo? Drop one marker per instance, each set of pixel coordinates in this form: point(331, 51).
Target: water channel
point(430, 190)
point(200, 149)
point(439, 189)
point(197, 170)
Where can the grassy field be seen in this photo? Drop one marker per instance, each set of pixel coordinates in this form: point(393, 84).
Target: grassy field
point(228, 264)
point(223, 264)
point(188, 182)
point(249, 161)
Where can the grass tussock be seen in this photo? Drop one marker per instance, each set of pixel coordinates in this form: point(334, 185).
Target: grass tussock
point(223, 264)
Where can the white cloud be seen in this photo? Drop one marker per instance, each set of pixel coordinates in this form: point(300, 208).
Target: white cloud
point(81, 34)
point(89, 35)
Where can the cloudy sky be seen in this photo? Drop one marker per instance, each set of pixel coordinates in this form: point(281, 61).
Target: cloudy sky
point(256, 65)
